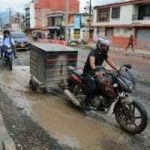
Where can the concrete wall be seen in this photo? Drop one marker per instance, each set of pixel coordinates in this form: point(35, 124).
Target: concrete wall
point(58, 4)
point(125, 32)
point(126, 14)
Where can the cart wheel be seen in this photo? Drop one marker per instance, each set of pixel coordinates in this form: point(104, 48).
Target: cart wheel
point(32, 85)
point(43, 89)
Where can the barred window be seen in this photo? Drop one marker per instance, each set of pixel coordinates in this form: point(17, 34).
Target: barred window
point(103, 14)
point(115, 12)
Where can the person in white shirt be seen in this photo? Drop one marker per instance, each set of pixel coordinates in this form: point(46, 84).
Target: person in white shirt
point(8, 42)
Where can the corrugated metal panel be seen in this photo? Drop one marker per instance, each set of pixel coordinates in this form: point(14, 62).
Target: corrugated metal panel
point(143, 38)
point(49, 62)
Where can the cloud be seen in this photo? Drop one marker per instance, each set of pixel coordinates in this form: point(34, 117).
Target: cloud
point(15, 5)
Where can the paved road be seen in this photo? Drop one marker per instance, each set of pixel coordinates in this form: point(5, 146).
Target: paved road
point(69, 125)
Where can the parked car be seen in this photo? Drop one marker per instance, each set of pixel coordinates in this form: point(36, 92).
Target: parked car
point(21, 40)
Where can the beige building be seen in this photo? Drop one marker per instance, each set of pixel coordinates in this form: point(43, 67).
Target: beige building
point(119, 20)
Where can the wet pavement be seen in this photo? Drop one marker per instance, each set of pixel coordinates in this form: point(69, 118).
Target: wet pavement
point(68, 124)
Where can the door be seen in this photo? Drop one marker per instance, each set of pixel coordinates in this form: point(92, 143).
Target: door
point(109, 32)
point(143, 38)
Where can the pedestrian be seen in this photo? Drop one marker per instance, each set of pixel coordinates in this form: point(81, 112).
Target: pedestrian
point(131, 43)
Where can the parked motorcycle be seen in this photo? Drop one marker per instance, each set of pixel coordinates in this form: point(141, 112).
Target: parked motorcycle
point(113, 96)
point(8, 56)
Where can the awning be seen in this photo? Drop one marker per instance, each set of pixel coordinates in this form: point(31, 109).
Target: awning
point(55, 15)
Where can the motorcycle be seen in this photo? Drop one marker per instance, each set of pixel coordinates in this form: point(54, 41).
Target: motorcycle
point(113, 96)
point(8, 56)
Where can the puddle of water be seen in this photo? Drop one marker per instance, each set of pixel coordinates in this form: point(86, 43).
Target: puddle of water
point(67, 124)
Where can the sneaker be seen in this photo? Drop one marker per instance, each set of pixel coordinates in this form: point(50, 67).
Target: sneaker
point(92, 107)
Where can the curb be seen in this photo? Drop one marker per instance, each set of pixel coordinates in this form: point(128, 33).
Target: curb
point(6, 142)
point(137, 54)
point(146, 56)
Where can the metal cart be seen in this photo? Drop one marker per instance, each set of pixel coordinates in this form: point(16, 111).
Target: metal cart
point(48, 65)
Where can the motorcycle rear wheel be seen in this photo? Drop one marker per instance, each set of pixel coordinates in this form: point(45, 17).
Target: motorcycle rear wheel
point(126, 116)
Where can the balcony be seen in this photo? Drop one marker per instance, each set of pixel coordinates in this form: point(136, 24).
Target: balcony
point(141, 20)
point(138, 18)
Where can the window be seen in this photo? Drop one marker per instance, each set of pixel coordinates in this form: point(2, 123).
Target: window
point(144, 11)
point(109, 32)
point(115, 12)
point(27, 12)
point(103, 14)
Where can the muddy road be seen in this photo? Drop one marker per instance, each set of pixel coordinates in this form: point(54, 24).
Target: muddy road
point(68, 127)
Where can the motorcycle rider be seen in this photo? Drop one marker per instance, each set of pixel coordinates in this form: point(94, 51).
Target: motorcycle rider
point(95, 58)
point(8, 42)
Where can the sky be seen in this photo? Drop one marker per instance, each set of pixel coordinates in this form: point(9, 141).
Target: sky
point(18, 5)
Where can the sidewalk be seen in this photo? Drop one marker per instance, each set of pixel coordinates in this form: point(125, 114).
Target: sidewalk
point(138, 52)
point(6, 143)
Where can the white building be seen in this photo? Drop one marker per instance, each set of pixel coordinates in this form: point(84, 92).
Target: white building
point(30, 16)
point(119, 20)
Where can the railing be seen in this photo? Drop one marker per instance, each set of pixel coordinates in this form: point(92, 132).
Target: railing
point(136, 17)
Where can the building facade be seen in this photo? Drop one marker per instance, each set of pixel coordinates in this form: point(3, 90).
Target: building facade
point(120, 20)
point(37, 11)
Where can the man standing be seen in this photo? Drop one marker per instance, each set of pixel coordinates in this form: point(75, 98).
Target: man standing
point(131, 43)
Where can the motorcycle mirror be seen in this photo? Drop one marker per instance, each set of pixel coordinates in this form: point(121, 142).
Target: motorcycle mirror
point(129, 66)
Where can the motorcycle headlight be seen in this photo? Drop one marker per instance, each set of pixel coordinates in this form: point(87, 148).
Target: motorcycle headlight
point(115, 85)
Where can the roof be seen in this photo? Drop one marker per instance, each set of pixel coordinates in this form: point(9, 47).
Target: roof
point(129, 2)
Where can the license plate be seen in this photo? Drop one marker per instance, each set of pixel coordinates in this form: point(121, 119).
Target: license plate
point(22, 45)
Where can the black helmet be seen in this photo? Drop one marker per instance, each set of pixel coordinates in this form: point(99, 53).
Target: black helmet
point(6, 32)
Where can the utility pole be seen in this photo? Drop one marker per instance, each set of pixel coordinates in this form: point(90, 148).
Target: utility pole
point(0, 24)
point(88, 9)
point(10, 20)
point(90, 17)
point(67, 21)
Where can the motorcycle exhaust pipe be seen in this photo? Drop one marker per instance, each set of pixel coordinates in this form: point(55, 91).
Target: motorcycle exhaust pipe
point(72, 98)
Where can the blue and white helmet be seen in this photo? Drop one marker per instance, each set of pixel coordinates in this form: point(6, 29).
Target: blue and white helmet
point(103, 41)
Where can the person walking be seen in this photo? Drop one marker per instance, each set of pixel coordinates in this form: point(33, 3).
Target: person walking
point(131, 43)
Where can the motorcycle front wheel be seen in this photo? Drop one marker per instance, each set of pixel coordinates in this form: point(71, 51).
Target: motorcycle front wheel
point(10, 63)
point(131, 117)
